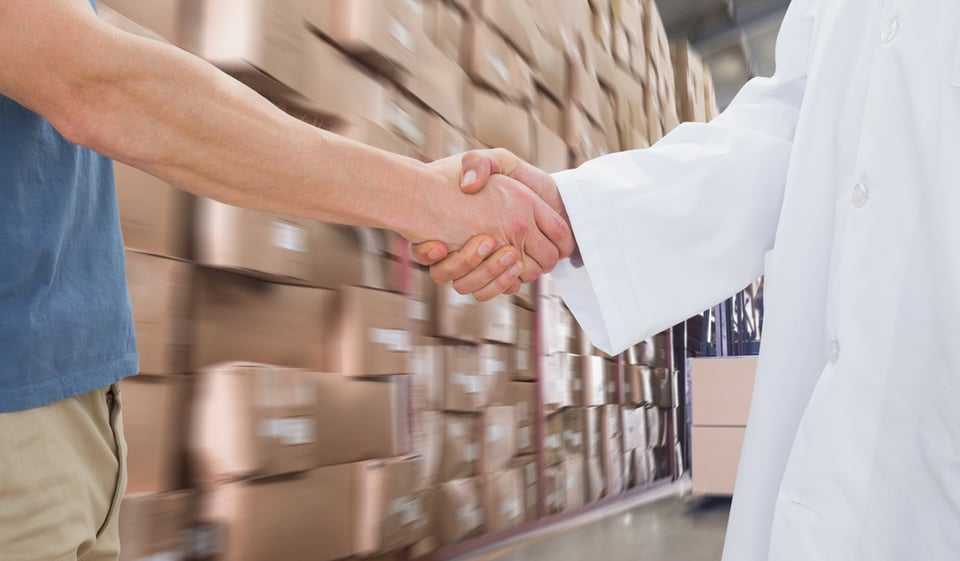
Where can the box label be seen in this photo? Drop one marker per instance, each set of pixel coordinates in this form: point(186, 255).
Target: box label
point(494, 366)
point(552, 441)
point(470, 516)
point(498, 66)
point(287, 236)
point(470, 453)
point(512, 508)
point(531, 472)
point(290, 432)
point(494, 433)
point(469, 382)
point(523, 435)
point(521, 359)
point(417, 310)
point(396, 340)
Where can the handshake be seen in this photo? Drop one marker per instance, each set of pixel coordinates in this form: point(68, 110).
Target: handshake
point(504, 226)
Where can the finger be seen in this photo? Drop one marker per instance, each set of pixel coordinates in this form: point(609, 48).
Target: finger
point(462, 262)
point(477, 166)
point(517, 285)
point(503, 261)
point(540, 249)
point(531, 270)
point(500, 285)
point(428, 253)
point(556, 229)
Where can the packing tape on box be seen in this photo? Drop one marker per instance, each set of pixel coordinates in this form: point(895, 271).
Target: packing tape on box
point(402, 35)
point(523, 436)
point(397, 340)
point(290, 432)
point(522, 361)
point(288, 236)
point(531, 497)
point(522, 410)
point(494, 433)
point(469, 382)
point(417, 310)
point(471, 452)
point(531, 472)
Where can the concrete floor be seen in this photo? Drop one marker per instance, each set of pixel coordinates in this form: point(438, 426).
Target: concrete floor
point(670, 529)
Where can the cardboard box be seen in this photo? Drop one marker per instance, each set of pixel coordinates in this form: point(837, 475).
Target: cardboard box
point(500, 123)
point(496, 319)
point(160, 291)
point(602, 28)
point(549, 112)
point(522, 396)
point(513, 20)
point(156, 526)
point(443, 140)
point(492, 62)
point(238, 318)
point(383, 33)
point(552, 154)
point(459, 510)
point(608, 120)
point(499, 439)
point(611, 371)
point(261, 244)
point(609, 421)
point(637, 384)
point(368, 334)
point(428, 437)
point(688, 73)
point(445, 27)
point(722, 389)
point(584, 87)
point(592, 434)
point(523, 366)
point(655, 430)
point(407, 118)
point(429, 370)
point(495, 373)
point(573, 431)
point(455, 315)
point(556, 382)
point(464, 380)
point(664, 388)
point(573, 476)
point(461, 446)
point(154, 410)
point(556, 325)
point(155, 217)
point(586, 140)
point(593, 480)
point(390, 510)
point(161, 17)
point(502, 500)
point(360, 419)
point(253, 420)
point(527, 467)
point(438, 82)
point(553, 440)
point(634, 429)
point(555, 488)
point(588, 382)
point(553, 72)
point(614, 475)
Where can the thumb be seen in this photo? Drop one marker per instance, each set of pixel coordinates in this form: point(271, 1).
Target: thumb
point(477, 166)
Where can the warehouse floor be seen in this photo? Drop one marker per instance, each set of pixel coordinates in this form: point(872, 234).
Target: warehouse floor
point(670, 529)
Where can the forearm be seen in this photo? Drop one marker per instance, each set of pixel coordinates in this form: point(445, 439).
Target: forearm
point(173, 115)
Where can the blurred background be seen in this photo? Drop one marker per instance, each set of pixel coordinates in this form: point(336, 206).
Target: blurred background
point(307, 393)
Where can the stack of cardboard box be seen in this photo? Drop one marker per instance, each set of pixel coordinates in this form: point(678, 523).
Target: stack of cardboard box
point(289, 364)
point(691, 91)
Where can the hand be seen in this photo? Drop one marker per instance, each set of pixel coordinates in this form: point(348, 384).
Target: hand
point(508, 212)
point(473, 269)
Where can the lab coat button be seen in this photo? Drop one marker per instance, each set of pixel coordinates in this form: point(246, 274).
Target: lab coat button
point(834, 351)
point(890, 29)
point(861, 194)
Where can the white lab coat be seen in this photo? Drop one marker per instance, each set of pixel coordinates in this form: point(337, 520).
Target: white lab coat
point(840, 179)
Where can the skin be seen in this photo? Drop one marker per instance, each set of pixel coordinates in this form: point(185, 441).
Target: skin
point(470, 270)
point(166, 112)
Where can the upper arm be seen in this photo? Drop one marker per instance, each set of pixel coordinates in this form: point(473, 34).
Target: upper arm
point(47, 48)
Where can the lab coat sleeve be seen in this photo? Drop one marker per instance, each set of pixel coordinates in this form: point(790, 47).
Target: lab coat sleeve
point(669, 231)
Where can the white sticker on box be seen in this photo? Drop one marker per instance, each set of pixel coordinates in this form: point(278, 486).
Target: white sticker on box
point(512, 508)
point(610, 387)
point(498, 66)
point(400, 32)
point(494, 366)
point(165, 556)
point(577, 385)
point(523, 435)
point(494, 433)
point(456, 430)
point(522, 410)
point(206, 541)
point(469, 382)
point(287, 236)
point(397, 340)
point(531, 472)
point(471, 516)
point(552, 441)
point(404, 123)
point(290, 432)
point(470, 453)
point(531, 497)
point(417, 310)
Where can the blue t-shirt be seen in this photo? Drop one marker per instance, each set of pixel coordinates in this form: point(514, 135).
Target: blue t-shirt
point(66, 326)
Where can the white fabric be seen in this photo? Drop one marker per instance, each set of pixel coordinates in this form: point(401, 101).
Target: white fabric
point(856, 458)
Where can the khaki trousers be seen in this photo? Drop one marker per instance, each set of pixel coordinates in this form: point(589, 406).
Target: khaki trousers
point(62, 475)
